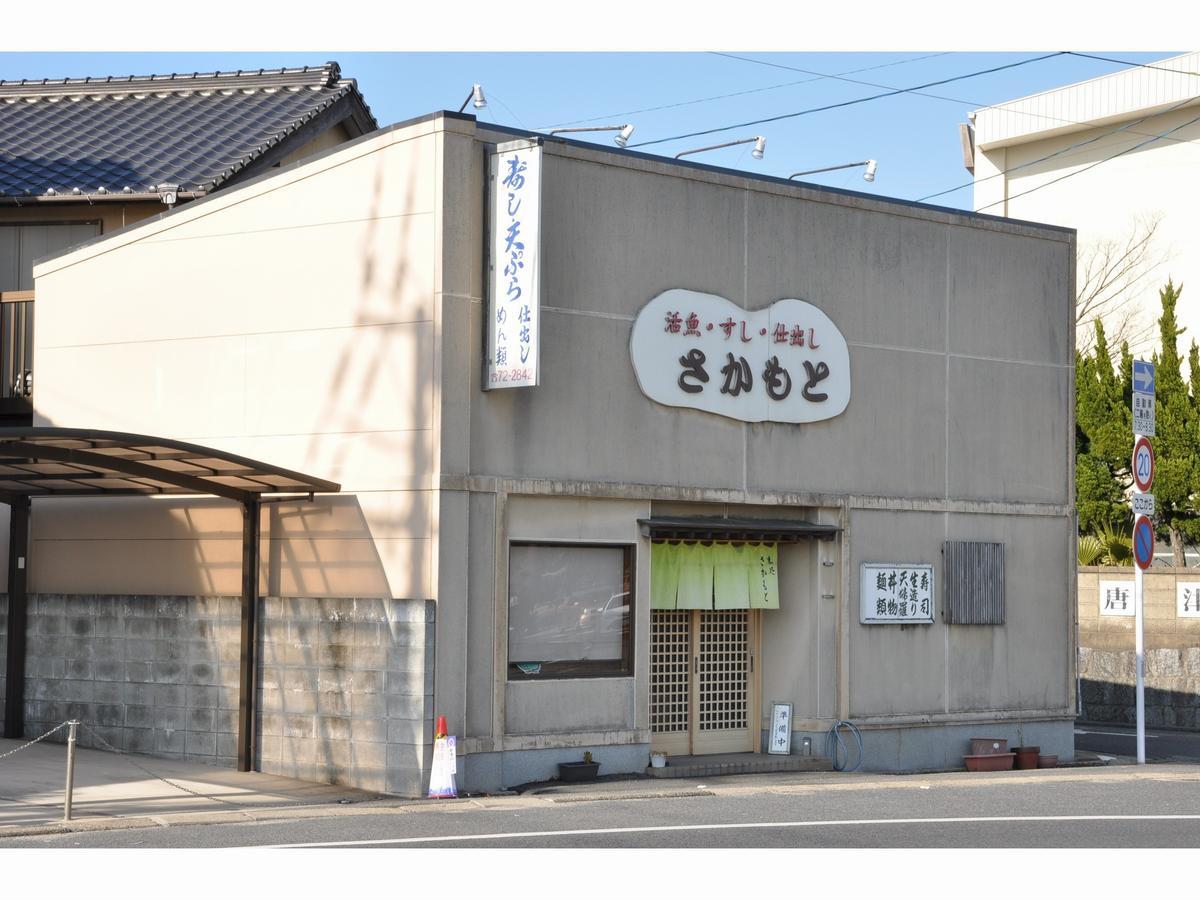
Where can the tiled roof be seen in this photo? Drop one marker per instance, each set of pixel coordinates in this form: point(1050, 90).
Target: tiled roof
point(98, 136)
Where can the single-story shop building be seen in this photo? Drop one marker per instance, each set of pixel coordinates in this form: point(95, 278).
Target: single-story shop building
point(633, 455)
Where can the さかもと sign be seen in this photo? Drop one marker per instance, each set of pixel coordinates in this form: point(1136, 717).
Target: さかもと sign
point(785, 363)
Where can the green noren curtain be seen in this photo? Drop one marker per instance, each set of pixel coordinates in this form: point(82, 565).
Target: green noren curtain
point(720, 576)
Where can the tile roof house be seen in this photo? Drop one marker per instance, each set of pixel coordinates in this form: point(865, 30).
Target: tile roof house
point(110, 138)
point(81, 157)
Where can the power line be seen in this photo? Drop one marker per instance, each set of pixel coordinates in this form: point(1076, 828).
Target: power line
point(772, 87)
point(1074, 146)
point(958, 100)
point(1125, 62)
point(844, 103)
point(1138, 146)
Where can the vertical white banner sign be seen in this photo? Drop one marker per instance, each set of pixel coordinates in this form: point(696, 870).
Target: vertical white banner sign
point(513, 309)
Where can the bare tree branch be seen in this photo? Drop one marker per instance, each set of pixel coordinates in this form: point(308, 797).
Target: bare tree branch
point(1109, 275)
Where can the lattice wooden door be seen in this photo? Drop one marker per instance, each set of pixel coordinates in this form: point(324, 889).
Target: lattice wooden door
point(670, 681)
point(703, 697)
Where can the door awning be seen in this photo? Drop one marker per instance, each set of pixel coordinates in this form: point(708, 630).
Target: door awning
point(723, 528)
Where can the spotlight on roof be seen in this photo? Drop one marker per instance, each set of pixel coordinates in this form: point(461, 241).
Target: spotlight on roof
point(475, 98)
point(868, 175)
point(620, 140)
point(760, 146)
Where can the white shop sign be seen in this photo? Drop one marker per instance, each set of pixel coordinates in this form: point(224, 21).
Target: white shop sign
point(896, 594)
point(515, 212)
point(1187, 599)
point(785, 363)
point(1116, 598)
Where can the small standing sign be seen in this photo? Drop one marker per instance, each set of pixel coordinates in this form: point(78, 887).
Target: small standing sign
point(780, 741)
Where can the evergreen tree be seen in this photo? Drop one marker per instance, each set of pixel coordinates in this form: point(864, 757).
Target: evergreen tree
point(1178, 428)
point(1103, 437)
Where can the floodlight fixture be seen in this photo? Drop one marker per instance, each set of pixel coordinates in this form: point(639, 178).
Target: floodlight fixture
point(868, 175)
point(760, 146)
point(620, 140)
point(475, 97)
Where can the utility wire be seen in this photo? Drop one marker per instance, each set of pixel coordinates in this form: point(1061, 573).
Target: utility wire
point(844, 103)
point(1074, 146)
point(1138, 146)
point(958, 100)
point(771, 87)
point(1125, 62)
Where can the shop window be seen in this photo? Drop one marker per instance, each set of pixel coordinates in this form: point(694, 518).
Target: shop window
point(974, 582)
point(570, 611)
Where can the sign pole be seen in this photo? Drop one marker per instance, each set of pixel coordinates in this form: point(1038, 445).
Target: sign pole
point(1143, 466)
point(1139, 650)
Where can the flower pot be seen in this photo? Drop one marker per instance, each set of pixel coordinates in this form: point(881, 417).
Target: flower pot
point(1027, 757)
point(989, 762)
point(983, 746)
point(578, 771)
point(658, 760)
point(1048, 761)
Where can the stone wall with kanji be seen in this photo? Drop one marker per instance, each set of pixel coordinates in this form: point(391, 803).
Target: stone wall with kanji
point(1107, 660)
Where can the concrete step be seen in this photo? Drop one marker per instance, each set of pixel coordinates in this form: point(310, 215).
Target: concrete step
point(738, 764)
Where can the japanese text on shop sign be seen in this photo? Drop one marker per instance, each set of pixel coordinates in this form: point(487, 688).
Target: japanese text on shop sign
point(785, 363)
point(515, 187)
point(896, 593)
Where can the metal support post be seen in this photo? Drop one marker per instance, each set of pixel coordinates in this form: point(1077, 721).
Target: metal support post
point(1140, 652)
point(248, 678)
point(73, 725)
point(18, 570)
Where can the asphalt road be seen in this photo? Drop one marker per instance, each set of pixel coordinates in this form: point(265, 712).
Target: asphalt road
point(1109, 807)
point(1118, 740)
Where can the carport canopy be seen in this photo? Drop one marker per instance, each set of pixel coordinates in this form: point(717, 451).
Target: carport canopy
point(77, 462)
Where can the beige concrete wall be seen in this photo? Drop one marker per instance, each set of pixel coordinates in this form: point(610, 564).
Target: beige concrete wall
point(1104, 202)
point(1107, 658)
point(937, 315)
point(288, 320)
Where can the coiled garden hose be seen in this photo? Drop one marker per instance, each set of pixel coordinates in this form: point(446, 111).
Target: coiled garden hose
point(834, 743)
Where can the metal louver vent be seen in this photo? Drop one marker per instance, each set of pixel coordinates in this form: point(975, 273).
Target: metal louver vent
point(974, 583)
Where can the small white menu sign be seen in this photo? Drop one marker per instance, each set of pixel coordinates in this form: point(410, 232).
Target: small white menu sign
point(896, 594)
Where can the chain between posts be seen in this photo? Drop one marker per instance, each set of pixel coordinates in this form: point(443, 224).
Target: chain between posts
point(58, 727)
point(167, 781)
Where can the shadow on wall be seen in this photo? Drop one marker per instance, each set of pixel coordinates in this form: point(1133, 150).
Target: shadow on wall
point(187, 546)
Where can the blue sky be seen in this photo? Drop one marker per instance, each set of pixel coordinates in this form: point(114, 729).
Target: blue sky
point(665, 94)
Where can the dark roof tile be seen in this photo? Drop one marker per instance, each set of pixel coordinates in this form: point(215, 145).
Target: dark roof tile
point(195, 131)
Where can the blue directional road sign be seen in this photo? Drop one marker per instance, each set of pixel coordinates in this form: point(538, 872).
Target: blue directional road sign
point(1143, 376)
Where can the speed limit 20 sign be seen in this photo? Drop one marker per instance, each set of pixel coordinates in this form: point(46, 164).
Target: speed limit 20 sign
point(1143, 464)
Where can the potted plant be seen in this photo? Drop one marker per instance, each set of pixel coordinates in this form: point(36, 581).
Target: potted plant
point(658, 760)
point(579, 771)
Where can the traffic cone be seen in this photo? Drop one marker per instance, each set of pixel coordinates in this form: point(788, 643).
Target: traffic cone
point(441, 778)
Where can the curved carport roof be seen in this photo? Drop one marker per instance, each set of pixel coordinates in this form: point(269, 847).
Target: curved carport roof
point(80, 462)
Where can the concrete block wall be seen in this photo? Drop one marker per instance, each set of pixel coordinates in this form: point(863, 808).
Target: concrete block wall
point(1107, 661)
point(155, 675)
point(346, 691)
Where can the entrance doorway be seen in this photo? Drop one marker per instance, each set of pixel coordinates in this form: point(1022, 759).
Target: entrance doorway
point(703, 683)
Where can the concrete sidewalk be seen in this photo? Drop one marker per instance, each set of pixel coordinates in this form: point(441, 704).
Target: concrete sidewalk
point(111, 791)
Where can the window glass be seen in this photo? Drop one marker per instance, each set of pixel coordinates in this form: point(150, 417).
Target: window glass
point(569, 610)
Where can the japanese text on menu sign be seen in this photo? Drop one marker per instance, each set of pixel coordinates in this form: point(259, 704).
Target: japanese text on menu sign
point(515, 205)
point(896, 593)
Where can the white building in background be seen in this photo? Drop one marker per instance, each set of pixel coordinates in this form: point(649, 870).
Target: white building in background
point(1102, 156)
